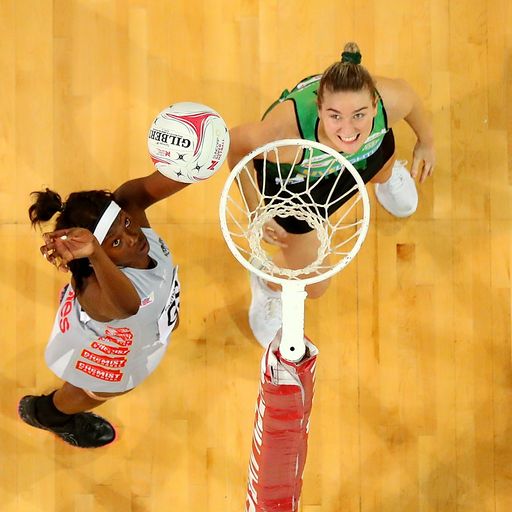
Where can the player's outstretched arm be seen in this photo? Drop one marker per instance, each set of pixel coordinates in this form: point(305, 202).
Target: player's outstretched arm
point(136, 195)
point(278, 124)
point(147, 190)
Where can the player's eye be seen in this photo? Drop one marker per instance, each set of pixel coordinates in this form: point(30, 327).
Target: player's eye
point(359, 115)
point(127, 222)
point(116, 242)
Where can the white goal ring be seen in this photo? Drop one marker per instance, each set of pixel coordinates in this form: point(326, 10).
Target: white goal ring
point(305, 144)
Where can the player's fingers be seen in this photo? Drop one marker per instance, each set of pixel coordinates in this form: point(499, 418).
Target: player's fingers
point(47, 250)
point(415, 167)
point(275, 235)
point(280, 232)
point(427, 171)
point(63, 268)
point(59, 233)
point(49, 255)
point(272, 239)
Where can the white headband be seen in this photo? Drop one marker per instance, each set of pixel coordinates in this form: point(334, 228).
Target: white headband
point(106, 220)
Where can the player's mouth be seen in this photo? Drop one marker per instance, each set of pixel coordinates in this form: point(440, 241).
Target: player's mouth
point(348, 144)
point(349, 140)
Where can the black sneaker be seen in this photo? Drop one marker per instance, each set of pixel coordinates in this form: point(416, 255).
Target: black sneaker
point(84, 429)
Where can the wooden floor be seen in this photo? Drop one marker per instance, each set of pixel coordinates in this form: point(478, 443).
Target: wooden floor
point(413, 406)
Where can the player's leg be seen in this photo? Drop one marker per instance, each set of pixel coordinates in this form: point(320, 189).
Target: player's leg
point(70, 399)
point(300, 251)
point(394, 187)
point(63, 413)
point(385, 172)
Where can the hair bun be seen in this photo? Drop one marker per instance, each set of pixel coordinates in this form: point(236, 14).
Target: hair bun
point(351, 58)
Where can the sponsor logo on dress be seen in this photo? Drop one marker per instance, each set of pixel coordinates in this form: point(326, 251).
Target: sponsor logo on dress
point(164, 248)
point(64, 311)
point(98, 372)
point(109, 362)
point(116, 341)
point(146, 301)
point(107, 349)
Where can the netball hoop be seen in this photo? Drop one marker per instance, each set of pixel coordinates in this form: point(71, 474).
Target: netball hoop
point(244, 211)
point(340, 220)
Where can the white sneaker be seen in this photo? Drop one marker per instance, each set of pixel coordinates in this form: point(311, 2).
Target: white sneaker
point(398, 195)
point(264, 312)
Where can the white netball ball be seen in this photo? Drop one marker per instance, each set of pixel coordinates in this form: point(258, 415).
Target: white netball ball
point(188, 142)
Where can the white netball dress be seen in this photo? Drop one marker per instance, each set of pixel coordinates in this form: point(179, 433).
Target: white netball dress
point(116, 356)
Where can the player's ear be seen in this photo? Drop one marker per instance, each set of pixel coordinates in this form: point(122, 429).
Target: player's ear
point(374, 105)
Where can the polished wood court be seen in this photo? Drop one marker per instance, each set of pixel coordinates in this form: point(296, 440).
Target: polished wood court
point(413, 405)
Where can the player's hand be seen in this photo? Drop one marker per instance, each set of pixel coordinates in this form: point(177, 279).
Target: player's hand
point(64, 245)
point(423, 161)
point(274, 234)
